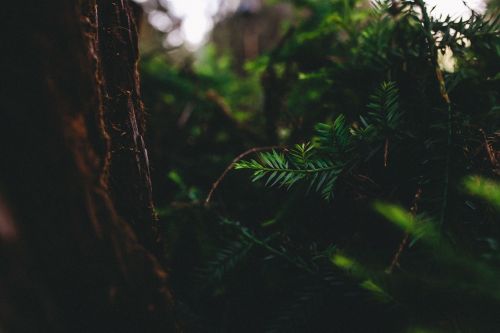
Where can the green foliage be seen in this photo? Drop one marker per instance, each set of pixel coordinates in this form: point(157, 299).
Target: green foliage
point(416, 226)
point(278, 170)
point(481, 276)
point(225, 260)
point(400, 116)
point(385, 115)
point(335, 139)
point(484, 188)
point(336, 146)
point(365, 92)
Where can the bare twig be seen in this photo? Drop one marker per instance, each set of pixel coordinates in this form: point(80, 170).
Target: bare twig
point(406, 238)
point(489, 150)
point(386, 152)
point(231, 166)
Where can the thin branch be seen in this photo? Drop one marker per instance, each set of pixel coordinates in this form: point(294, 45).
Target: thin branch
point(489, 150)
point(406, 238)
point(265, 244)
point(216, 184)
point(386, 152)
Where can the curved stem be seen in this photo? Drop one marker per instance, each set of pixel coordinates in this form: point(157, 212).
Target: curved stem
point(216, 184)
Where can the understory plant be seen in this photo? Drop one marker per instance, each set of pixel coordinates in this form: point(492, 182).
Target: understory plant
point(372, 146)
point(423, 118)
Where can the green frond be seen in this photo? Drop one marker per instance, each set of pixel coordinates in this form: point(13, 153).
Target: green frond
point(302, 153)
point(384, 105)
point(226, 259)
point(335, 139)
point(302, 164)
point(380, 6)
point(279, 251)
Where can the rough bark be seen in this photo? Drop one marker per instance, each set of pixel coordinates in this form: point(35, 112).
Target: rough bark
point(74, 178)
point(113, 34)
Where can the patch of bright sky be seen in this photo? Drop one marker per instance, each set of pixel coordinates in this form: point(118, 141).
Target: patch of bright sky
point(197, 16)
point(455, 8)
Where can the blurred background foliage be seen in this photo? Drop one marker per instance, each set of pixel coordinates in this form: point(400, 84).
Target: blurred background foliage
point(377, 126)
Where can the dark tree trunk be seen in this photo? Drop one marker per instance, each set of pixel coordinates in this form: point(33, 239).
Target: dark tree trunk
point(76, 215)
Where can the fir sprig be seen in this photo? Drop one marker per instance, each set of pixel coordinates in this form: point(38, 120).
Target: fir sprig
point(335, 147)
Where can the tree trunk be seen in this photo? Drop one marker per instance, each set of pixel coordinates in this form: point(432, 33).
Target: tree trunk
point(76, 216)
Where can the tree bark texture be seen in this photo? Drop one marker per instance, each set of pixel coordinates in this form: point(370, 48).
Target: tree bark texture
point(77, 225)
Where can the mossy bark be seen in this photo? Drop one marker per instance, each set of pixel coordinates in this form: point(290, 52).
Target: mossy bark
point(77, 226)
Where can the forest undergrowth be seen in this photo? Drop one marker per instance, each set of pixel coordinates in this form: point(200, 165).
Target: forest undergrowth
point(347, 181)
